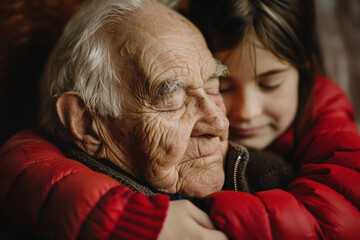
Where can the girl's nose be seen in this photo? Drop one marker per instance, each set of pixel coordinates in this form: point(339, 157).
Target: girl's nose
point(247, 105)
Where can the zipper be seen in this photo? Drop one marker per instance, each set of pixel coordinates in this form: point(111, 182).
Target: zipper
point(236, 167)
point(236, 164)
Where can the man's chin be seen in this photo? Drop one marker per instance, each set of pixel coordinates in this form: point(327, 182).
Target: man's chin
point(200, 188)
point(202, 194)
point(225, 146)
point(208, 181)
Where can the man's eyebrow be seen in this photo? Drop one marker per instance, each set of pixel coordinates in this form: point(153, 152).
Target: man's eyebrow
point(272, 72)
point(221, 70)
point(170, 86)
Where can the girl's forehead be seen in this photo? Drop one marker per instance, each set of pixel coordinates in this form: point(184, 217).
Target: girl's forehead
point(249, 58)
point(248, 49)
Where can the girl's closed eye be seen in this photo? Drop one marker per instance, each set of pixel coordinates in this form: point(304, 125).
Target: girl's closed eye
point(270, 85)
point(272, 81)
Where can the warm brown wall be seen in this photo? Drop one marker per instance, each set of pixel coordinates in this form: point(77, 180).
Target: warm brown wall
point(339, 34)
point(28, 31)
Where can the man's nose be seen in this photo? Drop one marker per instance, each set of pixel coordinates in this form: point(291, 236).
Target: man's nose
point(247, 104)
point(212, 119)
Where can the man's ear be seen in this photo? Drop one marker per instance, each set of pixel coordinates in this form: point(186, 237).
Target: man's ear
point(74, 117)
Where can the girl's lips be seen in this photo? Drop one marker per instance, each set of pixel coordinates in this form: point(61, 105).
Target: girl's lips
point(245, 132)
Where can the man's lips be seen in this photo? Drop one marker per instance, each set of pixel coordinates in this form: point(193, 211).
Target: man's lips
point(245, 132)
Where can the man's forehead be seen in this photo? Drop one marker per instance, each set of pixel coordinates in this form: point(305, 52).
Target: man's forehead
point(159, 18)
point(165, 26)
point(158, 29)
point(164, 45)
point(191, 74)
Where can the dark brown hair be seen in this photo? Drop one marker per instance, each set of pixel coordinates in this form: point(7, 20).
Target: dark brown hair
point(285, 27)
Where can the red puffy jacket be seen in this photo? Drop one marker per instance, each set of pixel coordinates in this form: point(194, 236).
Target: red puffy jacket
point(323, 202)
point(49, 196)
point(43, 191)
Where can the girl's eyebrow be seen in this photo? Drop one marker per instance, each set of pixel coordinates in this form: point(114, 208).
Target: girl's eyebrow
point(272, 72)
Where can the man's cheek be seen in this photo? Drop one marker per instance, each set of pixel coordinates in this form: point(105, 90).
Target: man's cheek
point(156, 138)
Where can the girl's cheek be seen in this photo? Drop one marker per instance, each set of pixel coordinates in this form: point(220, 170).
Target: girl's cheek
point(228, 100)
point(282, 105)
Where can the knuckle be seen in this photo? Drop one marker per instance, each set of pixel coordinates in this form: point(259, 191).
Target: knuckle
point(186, 204)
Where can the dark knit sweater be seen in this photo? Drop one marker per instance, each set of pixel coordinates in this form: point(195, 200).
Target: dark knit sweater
point(249, 170)
point(253, 170)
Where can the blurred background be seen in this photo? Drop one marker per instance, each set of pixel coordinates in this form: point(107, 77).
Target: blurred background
point(338, 26)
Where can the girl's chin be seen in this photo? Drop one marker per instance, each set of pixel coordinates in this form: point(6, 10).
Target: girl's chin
point(258, 143)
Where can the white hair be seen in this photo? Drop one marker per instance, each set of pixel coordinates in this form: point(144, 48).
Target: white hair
point(170, 3)
point(81, 61)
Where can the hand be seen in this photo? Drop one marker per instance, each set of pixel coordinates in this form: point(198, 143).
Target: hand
point(185, 221)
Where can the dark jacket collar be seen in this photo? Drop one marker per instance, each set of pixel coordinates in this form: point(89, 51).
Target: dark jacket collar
point(106, 167)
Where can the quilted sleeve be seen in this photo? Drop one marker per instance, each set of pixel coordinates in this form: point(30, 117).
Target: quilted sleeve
point(45, 194)
point(323, 202)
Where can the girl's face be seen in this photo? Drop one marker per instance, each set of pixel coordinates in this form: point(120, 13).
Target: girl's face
point(260, 94)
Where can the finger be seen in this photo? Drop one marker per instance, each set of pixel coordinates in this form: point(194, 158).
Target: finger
point(214, 234)
point(201, 217)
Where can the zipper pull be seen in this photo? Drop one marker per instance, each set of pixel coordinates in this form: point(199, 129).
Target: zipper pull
point(236, 166)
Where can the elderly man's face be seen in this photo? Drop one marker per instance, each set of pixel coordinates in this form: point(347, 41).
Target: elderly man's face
point(173, 131)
